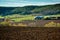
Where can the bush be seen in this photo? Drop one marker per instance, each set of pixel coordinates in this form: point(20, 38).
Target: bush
point(5, 23)
point(50, 24)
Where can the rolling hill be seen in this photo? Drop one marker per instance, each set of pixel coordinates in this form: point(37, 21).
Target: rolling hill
point(26, 10)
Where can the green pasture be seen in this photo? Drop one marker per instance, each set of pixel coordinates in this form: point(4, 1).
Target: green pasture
point(23, 18)
point(19, 18)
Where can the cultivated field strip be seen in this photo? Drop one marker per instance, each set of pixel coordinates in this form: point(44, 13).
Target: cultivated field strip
point(29, 33)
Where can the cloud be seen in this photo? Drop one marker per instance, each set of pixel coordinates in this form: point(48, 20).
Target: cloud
point(15, 3)
point(25, 4)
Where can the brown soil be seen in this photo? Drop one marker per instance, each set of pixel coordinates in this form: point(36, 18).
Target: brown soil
point(29, 33)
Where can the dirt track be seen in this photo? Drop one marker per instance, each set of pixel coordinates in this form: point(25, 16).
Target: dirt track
point(29, 33)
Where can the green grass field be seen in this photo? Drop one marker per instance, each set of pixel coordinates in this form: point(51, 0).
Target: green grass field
point(23, 18)
point(19, 18)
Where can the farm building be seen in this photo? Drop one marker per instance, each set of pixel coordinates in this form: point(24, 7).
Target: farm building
point(38, 17)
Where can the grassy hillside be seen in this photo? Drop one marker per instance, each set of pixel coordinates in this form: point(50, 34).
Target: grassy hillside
point(15, 10)
point(26, 10)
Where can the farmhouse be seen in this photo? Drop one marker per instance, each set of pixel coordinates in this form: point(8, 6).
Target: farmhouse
point(39, 17)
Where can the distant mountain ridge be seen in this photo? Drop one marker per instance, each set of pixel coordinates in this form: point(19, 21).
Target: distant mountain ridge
point(26, 10)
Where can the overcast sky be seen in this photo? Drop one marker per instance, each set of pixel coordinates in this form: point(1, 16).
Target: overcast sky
point(27, 2)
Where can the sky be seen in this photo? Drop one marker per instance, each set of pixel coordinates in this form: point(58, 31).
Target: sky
point(14, 3)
